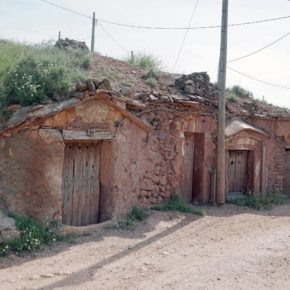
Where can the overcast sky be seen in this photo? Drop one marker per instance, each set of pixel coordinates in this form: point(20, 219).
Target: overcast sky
point(35, 21)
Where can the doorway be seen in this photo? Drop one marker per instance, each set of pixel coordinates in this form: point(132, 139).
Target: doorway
point(239, 171)
point(81, 183)
point(193, 166)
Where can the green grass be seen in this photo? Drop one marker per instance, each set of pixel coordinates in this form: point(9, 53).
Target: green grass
point(136, 215)
point(176, 203)
point(33, 235)
point(31, 74)
point(232, 98)
point(150, 64)
point(152, 82)
point(264, 201)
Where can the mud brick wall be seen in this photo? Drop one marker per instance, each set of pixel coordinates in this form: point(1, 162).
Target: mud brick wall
point(276, 154)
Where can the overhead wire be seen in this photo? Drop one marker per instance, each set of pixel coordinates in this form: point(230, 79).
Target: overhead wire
point(258, 80)
point(112, 38)
point(185, 35)
point(166, 27)
point(258, 50)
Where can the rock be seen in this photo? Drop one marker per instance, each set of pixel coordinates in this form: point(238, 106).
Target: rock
point(8, 229)
point(71, 44)
point(105, 85)
point(96, 83)
point(91, 85)
point(81, 87)
point(189, 89)
point(58, 97)
point(126, 91)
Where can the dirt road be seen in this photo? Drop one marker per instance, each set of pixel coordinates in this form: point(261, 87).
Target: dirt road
point(229, 248)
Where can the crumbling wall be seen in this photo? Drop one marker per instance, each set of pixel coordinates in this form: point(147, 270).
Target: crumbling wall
point(31, 163)
point(275, 157)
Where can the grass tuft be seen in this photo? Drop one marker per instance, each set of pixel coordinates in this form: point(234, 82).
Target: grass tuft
point(136, 215)
point(264, 201)
point(176, 203)
point(33, 235)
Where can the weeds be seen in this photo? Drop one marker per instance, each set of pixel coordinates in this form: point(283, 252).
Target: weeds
point(137, 214)
point(152, 82)
point(150, 64)
point(32, 236)
point(176, 203)
point(264, 201)
point(30, 74)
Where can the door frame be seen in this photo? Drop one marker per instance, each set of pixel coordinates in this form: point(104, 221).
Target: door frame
point(91, 142)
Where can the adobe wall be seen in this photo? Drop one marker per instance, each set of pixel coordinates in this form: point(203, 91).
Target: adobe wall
point(278, 131)
point(31, 162)
point(31, 173)
point(164, 173)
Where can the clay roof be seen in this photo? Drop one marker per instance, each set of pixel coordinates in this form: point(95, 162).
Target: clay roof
point(237, 126)
point(26, 115)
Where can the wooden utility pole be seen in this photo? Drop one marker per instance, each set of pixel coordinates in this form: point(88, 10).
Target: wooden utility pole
point(93, 34)
point(220, 190)
point(59, 35)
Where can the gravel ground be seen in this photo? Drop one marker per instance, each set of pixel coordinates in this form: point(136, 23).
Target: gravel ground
point(229, 248)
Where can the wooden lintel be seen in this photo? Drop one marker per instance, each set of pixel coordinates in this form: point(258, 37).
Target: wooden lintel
point(87, 135)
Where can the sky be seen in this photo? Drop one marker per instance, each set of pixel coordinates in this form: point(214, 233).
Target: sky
point(34, 21)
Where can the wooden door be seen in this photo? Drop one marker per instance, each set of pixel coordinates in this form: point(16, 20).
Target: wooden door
point(287, 175)
point(188, 165)
point(237, 171)
point(81, 184)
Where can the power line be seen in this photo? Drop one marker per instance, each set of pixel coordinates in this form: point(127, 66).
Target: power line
point(67, 9)
point(258, 80)
point(185, 35)
point(256, 51)
point(112, 38)
point(164, 27)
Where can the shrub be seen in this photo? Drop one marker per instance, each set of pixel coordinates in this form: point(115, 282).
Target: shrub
point(151, 82)
point(263, 201)
point(32, 236)
point(176, 203)
point(137, 214)
point(30, 74)
point(146, 61)
point(150, 64)
point(232, 98)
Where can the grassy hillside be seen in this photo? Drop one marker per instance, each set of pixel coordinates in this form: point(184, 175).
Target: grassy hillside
point(31, 74)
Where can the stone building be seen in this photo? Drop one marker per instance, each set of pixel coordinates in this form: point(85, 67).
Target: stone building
point(89, 159)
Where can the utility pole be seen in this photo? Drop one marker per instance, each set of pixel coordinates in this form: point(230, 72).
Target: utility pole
point(59, 34)
point(93, 33)
point(220, 192)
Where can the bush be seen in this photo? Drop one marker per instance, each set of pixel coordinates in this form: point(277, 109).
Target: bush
point(150, 64)
point(232, 98)
point(176, 203)
point(151, 82)
point(137, 214)
point(263, 201)
point(30, 74)
point(32, 236)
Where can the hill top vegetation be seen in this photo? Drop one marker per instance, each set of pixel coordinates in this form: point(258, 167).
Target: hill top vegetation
point(32, 74)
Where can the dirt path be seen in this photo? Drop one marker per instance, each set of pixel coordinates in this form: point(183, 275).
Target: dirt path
point(229, 248)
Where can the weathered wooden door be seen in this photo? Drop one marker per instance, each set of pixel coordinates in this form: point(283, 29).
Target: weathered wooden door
point(81, 184)
point(237, 171)
point(287, 175)
point(188, 165)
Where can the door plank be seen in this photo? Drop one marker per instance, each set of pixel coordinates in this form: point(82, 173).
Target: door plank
point(95, 184)
point(188, 165)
